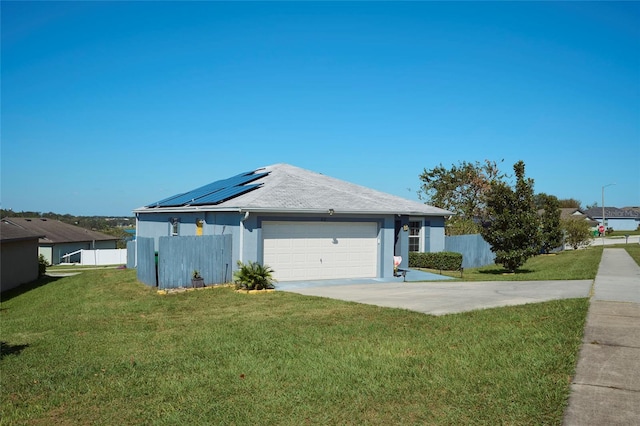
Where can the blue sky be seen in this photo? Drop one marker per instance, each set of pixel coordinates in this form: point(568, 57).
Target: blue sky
point(108, 106)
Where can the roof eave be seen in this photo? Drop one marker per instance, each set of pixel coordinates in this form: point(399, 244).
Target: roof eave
point(272, 210)
point(346, 212)
point(17, 239)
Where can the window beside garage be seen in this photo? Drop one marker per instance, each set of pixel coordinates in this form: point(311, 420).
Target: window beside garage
point(415, 230)
point(174, 226)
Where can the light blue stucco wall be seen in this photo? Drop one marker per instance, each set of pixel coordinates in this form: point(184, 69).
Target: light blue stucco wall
point(622, 224)
point(156, 225)
point(434, 235)
point(250, 246)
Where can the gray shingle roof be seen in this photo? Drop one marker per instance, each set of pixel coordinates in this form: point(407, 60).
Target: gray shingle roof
point(291, 189)
point(613, 213)
point(9, 232)
point(576, 214)
point(56, 232)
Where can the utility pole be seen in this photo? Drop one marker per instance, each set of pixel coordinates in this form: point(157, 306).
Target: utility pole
point(604, 226)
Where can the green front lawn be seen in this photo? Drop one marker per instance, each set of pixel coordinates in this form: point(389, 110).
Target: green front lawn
point(566, 265)
point(101, 348)
point(623, 233)
point(633, 250)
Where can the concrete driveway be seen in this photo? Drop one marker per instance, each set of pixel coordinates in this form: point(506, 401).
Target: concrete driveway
point(440, 298)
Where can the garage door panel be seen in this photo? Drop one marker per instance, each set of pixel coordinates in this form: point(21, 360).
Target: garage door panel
point(314, 250)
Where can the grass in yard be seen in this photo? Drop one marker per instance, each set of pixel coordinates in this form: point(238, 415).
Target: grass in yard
point(65, 267)
point(623, 233)
point(100, 348)
point(633, 250)
point(566, 265)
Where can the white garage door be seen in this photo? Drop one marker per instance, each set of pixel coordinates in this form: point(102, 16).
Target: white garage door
point(320, 250)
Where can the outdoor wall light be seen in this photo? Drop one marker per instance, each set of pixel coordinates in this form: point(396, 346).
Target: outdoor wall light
point(405, 228)
point(199, 222)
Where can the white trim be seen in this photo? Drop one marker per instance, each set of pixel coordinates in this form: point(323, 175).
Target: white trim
point(189, 209)
point(420, 235)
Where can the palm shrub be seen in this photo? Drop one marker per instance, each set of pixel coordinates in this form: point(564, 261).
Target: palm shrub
point(253, 276)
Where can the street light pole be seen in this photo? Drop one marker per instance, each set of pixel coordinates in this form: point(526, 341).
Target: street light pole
point(604, 227)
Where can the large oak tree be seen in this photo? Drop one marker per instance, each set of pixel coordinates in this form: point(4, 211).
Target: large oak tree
point(461, 189)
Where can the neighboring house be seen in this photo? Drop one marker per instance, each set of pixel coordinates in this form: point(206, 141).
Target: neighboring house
point(61, 238)
point(18, 256)
point(574, 213)
point(303, 224)
point(627, 219)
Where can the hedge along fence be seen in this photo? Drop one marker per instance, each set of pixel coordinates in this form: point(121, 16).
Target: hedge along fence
point(443, 261)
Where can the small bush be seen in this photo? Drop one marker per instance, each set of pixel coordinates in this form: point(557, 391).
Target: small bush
point(253, 276)
point(577, 233)
point(444, 260)
point(42, 265)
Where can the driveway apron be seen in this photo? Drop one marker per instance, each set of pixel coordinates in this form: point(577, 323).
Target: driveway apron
point(447, 297)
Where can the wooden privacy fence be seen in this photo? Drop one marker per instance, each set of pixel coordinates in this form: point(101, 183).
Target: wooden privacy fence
point(131, 254)
point(475, 250)
point(146, 266)
point(178, 257)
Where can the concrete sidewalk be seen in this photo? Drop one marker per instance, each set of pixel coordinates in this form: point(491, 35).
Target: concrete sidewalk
point(606, 387)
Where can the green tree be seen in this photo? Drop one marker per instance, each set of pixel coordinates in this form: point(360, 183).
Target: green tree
point(460, 189)
point(550, 229)
point(591, 206)
point(577, 232)
point(566, 203)
point(511, 223)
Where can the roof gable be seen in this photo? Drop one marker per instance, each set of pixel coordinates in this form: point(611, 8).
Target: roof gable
point(571, 213)
point(286, 188)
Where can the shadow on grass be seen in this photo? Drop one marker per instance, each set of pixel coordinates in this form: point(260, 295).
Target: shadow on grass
point(23, 288)
point(7, 349)
point(502, 271)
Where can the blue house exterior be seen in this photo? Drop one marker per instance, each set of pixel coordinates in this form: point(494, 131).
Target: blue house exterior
point(618, 219)
point(304, 225)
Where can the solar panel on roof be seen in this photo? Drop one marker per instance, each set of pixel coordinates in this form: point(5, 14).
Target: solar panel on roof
point(192, 195)
point(164, 200)
point(242, 179)
point(189, 197)
point(224, 195)
point(217, 190)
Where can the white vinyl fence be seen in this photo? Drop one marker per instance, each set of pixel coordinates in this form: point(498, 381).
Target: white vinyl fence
point(100, 256)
